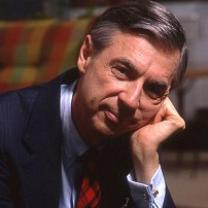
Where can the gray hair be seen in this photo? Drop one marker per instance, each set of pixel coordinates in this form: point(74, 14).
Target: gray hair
point(146, 18)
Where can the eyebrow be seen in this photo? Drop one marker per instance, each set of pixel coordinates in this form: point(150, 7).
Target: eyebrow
point(126, 63)
point(160, 84)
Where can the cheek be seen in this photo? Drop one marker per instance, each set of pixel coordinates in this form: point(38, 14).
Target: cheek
point(149, 115)
point(149, 111)
point(93, 93)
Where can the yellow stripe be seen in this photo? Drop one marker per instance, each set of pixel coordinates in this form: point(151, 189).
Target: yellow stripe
point(78, 32)
point(38, 30)
point(29, 75)
point(5, 75)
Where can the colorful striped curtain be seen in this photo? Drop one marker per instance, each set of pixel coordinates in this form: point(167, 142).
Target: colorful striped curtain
point(32, 52)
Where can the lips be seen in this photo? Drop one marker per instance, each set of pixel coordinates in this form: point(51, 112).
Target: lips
point(128, 123)
point(112, 116)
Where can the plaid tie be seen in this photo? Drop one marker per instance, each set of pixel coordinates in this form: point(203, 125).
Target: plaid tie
point(90, 193)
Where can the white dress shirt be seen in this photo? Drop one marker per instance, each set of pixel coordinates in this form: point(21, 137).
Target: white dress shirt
point(144, 196)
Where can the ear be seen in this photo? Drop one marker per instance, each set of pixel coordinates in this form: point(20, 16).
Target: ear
point(85, 54)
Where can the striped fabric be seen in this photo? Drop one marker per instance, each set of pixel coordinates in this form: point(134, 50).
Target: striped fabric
point(35, 51)
point(90, 193)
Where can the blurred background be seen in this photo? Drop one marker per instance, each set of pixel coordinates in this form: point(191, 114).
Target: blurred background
point(39, 39)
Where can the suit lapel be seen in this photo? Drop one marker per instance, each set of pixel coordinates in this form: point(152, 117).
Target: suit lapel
point(43, 141)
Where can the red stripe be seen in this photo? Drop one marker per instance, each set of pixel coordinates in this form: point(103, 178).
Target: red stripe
point(57, 38)
point(12, 39)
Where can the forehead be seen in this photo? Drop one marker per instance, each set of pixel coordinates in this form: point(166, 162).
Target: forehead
point(142, 54)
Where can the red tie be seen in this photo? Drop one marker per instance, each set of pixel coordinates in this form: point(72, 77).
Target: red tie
point(90, 193)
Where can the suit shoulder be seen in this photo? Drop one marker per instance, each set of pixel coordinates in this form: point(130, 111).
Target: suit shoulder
point(15, 108)
point(18, 98)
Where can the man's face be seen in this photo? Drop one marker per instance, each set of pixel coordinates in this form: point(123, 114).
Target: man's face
point(122, 87)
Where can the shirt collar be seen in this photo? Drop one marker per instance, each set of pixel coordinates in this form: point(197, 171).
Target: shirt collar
point(73, 145)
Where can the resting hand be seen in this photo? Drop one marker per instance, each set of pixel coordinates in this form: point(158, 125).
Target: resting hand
point(145, 141)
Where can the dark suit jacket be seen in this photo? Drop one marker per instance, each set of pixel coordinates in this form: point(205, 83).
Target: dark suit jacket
point(30, 152)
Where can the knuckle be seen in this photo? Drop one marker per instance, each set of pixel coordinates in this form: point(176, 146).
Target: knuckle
point(178, 123)
point(181, 123)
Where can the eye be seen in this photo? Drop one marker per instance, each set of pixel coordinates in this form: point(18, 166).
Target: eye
point(120, 72)
point(156, 90)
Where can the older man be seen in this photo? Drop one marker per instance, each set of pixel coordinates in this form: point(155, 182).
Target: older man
point(115, 102)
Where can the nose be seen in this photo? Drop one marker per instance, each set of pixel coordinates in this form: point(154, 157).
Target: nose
point(130, 97)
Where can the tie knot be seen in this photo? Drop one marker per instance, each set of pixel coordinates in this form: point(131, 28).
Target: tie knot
point(90, 155)
point(89, 160)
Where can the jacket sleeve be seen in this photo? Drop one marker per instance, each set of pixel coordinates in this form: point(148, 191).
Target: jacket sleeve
point(168, 203)
point(5, 184)
point(10, 129)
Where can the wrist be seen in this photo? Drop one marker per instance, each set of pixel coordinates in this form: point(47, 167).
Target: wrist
point(145, 167)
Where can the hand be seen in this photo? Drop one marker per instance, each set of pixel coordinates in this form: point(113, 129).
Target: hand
point(146, 140)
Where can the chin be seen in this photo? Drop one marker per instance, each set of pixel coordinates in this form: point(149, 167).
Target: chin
point(105, 132)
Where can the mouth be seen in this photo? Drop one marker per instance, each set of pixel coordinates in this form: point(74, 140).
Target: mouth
point(124, 121)
point(115, 123)
point(111, 117)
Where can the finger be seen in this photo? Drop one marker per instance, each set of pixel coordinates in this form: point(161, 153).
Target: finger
point(169, 113)
point(161, 114)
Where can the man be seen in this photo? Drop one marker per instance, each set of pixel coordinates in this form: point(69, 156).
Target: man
point(115, 101)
